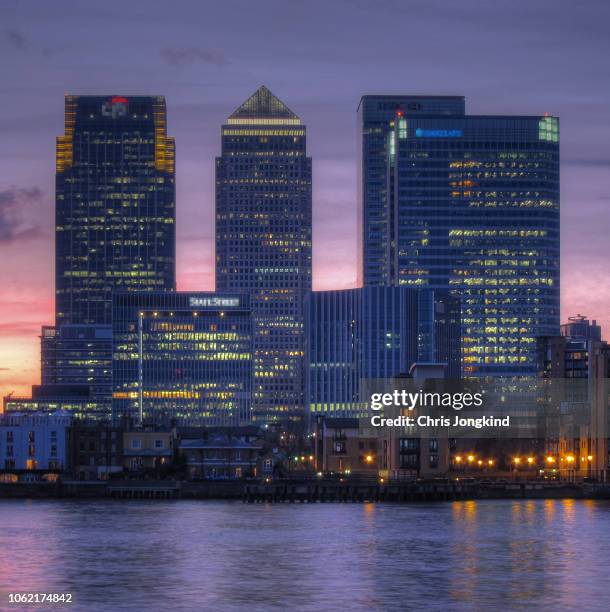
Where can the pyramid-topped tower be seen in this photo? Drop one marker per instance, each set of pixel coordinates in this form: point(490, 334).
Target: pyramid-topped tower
point(263, 244)
point(262, 107)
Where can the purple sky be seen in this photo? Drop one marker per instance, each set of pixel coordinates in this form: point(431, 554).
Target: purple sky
point(506, 57)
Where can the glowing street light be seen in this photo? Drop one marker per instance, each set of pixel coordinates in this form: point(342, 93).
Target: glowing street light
point(550, 459)
point(470, 458)
point(530, 460)
point(516, 460)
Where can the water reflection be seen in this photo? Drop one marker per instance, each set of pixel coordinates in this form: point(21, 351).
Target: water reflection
point(217, 555)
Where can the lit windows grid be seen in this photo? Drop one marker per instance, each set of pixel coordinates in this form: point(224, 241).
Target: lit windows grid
point(263, 247)
point(196, 362)
point(374, 115)
point(479, 214)
point(115, 206)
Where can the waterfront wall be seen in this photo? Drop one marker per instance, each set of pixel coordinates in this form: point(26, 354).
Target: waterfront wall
point(304, 491)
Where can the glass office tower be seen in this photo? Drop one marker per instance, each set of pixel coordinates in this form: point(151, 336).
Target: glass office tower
point(374, 115)
point(263, 243)
point(115, 204)
point(182, 356)
point(473, 207)
point(75, 355)
point(355, 335)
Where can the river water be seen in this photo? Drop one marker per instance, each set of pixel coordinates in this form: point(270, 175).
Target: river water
point(183, 555)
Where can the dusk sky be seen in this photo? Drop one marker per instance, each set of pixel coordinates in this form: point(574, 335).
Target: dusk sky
point(506, 57)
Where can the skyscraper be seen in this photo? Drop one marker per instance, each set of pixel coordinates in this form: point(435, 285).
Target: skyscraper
point(115, 228)
point(263, 243)
point(374, 115)
point(473, 208)
point(115, 204)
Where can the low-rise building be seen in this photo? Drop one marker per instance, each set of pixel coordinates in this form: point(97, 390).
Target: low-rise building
point(341, 447)
point(147, 449)
point(352, 446)
point(96, 449)
point(220, 456)
point(34, 442)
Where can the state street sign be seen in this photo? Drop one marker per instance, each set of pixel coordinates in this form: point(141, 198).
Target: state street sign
point(214, 302)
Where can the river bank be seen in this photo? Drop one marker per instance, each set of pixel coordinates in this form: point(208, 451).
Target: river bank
point(306, 491)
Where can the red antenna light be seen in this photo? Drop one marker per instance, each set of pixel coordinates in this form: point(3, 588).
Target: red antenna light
point(118, 100)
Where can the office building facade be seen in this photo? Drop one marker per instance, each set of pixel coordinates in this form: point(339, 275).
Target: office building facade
point(580, 327)
point(572, 353)
point(375, 113)
point(373, 333)
point(182, 356)
point(263, 243)
point(75, 400)
point(581, 428)
point(115, 204)
point(473, 208)
point(78, 355)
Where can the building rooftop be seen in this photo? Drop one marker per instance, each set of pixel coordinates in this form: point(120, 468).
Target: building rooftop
point(262, 104)
point(217, 442)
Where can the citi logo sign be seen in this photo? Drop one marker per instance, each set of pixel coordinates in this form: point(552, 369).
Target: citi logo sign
point(115, 107)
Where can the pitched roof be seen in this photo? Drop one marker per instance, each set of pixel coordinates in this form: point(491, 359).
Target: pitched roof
point(262, 104)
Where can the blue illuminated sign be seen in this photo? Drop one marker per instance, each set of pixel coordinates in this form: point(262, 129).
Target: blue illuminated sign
point(438, 133)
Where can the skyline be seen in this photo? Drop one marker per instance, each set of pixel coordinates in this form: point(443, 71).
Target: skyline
point(47, 64)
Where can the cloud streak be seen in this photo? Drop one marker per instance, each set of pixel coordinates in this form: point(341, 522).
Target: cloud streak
point(16, 39)
point(12, 203)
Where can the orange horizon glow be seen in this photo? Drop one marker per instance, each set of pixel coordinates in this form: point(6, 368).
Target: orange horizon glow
point(31, 305)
